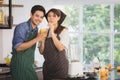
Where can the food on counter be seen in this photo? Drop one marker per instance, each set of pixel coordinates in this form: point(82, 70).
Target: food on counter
point(103, 74)
point(109, 66)
point(7, 60)
point(118, 70)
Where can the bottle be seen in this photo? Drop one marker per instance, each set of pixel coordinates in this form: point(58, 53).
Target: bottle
point(6, 19)
point(1, 16)
point(7, 60)
point(10, 20)
point(1, 1)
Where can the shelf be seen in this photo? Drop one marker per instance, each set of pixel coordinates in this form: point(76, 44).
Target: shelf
point(4, 27)
point(10, 19)
point(13, 5)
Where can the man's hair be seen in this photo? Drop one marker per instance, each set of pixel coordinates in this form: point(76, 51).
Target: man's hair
point(38, 8)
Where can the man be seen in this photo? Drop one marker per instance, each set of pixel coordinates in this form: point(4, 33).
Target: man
point(24, 43)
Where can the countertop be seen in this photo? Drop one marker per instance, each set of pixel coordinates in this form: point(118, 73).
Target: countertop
point(5, 72)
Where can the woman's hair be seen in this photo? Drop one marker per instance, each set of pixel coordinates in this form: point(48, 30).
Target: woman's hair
point(59, 30)
point(62, 16)
point(38, 8)
point(55, 11)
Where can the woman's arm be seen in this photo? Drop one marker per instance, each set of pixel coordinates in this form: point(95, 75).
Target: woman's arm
point(58, 44)
point(42, 43)
point(62, 43)
point(41, 47)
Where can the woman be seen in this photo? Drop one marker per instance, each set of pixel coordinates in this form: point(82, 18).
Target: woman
point(55, 66)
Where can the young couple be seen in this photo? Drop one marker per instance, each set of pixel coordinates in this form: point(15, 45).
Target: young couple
point(52, 46)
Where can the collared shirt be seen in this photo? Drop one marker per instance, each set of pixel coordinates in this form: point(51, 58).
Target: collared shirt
point(21, 33)
point(64, 38)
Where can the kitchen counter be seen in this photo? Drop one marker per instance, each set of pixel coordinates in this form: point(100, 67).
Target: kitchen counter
point(40, 76)
point(6, 75)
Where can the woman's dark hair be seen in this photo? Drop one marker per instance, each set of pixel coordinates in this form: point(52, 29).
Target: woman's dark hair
point(59, 30)
point(62, 16)
point(38, 8)
point(55, 11)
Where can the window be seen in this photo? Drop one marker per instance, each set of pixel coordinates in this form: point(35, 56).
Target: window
point(93, 33)
point(96, 33)
point(72, 22)
point(117, 37)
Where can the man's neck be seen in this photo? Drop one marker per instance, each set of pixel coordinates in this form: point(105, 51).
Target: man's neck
point(33, 26)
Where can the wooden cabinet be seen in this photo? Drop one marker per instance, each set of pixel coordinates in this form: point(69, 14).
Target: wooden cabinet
point(9, 18)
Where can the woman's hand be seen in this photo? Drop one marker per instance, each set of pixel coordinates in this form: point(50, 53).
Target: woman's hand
point(40, 37)
point(51, 27)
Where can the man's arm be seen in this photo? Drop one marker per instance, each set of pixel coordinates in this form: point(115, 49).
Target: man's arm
point(30, 43)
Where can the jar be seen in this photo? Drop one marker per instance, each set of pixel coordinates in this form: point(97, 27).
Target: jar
point(1, 17)
point(1, 1)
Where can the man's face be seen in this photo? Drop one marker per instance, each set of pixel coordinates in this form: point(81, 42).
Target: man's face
point(37, 18)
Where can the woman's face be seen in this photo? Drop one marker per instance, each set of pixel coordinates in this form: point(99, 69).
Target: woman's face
point(53, 18)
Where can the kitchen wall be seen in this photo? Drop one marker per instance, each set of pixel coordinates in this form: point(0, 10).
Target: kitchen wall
point(5, 43)
point(1, 48)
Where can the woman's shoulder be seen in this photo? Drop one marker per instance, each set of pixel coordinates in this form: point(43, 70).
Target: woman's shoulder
point(64, 31)
point(64, 27)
